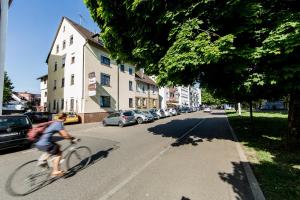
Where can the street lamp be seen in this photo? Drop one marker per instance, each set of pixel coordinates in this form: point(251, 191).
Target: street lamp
point(4, 4)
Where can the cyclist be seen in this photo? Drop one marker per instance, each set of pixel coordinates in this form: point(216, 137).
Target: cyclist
point(46, 143)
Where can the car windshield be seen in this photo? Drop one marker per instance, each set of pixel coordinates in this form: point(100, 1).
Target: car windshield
point(138, 112)
point(146, 112)
point(127, 113)
point(13, 122)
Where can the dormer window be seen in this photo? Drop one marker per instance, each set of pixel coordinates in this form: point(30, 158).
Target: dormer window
point(57, 48)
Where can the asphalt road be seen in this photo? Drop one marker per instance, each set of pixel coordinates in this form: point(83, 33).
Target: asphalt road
point(187, 157)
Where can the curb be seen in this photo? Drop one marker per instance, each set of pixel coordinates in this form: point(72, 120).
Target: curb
point(254, 185)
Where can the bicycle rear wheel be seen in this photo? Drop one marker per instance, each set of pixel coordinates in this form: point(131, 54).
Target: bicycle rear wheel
point(27, 178)
point(79, 158)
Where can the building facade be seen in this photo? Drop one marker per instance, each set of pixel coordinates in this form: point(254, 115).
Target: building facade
point(83, 79)
point(146, 93)
point(44, 92)
point(179, 96)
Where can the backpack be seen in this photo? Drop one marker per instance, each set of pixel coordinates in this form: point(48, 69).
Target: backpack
point(35, 132)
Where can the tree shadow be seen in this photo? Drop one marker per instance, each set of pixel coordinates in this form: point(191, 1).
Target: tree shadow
point(277, 169)
point(177, 127)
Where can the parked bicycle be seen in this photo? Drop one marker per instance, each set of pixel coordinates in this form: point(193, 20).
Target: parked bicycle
point(33, 175)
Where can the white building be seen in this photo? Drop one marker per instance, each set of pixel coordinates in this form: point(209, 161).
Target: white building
point(180, 96)
point(44, 92)
point(82, 77)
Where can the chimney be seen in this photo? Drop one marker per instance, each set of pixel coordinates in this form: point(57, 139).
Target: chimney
point(142, 72)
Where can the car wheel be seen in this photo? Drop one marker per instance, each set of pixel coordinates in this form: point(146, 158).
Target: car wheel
point(121, 124)
point(139, 120)
point(104, 123)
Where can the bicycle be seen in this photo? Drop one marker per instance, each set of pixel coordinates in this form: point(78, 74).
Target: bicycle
point(33, 175)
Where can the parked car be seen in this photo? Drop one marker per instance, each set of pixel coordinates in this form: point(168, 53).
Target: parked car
point(37, 117)
point(167, 113)
point(185, 110)
point(154, 113)
point(207, 109)
point(119, 118)
point(142, 117)
point(13, 131)
point(173, 111)
point(160, 113)
point(72, 117)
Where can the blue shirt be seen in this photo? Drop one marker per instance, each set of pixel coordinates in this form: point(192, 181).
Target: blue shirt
point(45, 139)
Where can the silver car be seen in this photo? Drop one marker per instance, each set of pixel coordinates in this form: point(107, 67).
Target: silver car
point(142, 117)
point(119, 118)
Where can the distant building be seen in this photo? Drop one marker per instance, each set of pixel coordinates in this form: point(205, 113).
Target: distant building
point(44, 92)
point(179, 96)
point(146, 94)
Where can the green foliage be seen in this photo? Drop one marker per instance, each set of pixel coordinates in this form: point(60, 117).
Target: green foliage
point(240, 49)
point(208, 98)
point(8, 87)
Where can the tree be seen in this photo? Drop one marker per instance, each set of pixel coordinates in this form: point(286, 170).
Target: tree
point(8, 87)
point(208, 97)
point(243, 50)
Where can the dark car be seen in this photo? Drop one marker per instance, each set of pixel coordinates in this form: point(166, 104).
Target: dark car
point(119, 118)
point(37, 117)
point(13, 131)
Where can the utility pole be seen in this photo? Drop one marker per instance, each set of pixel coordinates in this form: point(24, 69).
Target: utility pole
point(3, 28)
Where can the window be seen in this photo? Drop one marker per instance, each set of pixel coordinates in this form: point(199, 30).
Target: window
point(54, 87)
point(73, 59)
point(122, 68)
point(104, 101)
point(130, 70)
point(72, 105)
point(64, 44)
point(143, 88)
point(45, 95)
point(71, 40)
point(63, 82)
point(64, 28)
point(55, 66)
point(105, 60)
point(62, 104)
point(72, 79)
point(130, 85)
point(63, 61)
point(54, 104)
point(130, 103)
point(45, 81)
point(57, 48)
point(105, 79)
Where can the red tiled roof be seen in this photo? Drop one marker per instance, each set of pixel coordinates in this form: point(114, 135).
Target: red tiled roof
point(144, 78)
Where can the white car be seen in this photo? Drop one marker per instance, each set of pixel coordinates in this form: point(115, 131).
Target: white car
point(173, 111)
point(207, 109)
point(167, 113)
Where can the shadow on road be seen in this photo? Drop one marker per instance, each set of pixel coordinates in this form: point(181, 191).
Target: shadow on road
point(238, 180)
point(210, 129)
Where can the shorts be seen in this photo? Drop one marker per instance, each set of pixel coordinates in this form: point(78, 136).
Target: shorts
point(52, 148)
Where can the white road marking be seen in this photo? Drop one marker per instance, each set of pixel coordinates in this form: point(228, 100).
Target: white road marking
point(137, 172)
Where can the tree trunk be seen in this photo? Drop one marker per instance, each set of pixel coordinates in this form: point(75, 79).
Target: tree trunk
point(292, 137)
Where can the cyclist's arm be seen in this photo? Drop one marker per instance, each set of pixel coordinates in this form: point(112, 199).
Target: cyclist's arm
point(65, 134)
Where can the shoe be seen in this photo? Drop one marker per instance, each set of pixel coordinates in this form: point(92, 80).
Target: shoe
point(57, 174)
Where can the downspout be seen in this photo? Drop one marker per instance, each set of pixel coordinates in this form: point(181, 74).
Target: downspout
point(83, 80)
point(118, 94)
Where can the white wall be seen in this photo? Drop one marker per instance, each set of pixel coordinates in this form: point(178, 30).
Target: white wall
point(68, 91)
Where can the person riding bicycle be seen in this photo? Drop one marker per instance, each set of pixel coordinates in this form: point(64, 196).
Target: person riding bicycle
point(46, 144)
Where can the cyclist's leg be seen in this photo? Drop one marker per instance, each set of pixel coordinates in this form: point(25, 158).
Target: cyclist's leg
point(55, 150)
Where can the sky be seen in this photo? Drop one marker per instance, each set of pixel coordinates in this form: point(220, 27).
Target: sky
point(32, 25)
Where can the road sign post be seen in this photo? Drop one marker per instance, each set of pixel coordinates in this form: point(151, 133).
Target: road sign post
point(3, 28)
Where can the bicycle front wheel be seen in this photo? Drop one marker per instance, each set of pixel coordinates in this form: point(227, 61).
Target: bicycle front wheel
point(27, 178)
point(79, 158)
